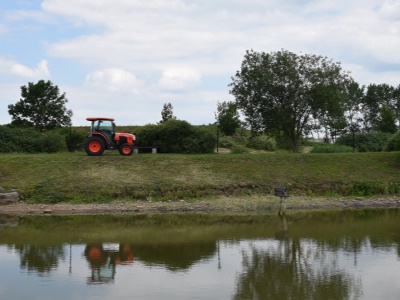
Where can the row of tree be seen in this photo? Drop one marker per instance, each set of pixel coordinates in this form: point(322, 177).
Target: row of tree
point(296, 95)
point(281, 94)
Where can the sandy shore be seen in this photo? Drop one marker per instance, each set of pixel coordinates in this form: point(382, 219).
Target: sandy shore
point(246, 204)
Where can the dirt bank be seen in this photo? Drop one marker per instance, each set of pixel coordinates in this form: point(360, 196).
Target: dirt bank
point(247, 204)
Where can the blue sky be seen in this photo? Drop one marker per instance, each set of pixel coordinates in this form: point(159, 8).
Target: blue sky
point(126, 58)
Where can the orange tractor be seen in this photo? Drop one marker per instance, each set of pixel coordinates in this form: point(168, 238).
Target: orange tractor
point(102, 136)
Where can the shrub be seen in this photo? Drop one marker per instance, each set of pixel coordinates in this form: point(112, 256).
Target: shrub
point(226, 142)
point(74, 138)
point(176, 136)
point(330, 148)
point(53, 141)
point(261, 142)
point(13, 139)
point(241, 136)
point(365, 142)
point(393, 143)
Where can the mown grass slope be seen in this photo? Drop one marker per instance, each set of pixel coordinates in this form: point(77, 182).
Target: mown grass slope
point(66, 177)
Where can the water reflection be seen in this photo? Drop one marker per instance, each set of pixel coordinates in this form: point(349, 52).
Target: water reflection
point(39, 258)
point(328, 256)
point(104, 258)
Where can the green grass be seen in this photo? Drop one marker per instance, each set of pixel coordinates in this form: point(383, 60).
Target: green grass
point(77, 178)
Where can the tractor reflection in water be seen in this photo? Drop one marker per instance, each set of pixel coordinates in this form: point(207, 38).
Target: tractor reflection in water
point(104, 258)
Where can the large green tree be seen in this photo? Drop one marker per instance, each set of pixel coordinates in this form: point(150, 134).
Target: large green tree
point(227, 117)
point(386, 121)
point(283, 92)
point(41, 106)
point(376, 97)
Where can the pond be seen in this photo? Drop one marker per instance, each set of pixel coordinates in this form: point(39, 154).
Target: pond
point(350, 254)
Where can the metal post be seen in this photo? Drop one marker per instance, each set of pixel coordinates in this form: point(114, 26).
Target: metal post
point(217, 123)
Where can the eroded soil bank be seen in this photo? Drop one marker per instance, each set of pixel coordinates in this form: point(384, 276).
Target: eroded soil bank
point(226, 204)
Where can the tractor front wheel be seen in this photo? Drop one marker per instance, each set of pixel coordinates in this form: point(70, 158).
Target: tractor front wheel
point(94, 146)
point(126, 149)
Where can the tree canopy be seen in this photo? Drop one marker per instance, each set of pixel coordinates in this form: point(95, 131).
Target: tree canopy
point(227, 117)
point(167, 113)
point(282, 92)
point(41, 106)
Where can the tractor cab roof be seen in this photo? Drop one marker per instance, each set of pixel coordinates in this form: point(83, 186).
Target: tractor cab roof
point(95, 119)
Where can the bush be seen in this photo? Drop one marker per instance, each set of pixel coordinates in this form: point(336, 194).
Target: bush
point(53, 141)
point(226, 142)
point(261, 142)
point(28, 140)
point(330, 148)
point(393, 143)
point(74, 138)
point(13, 139)
point(241, 136)
point(176, 136)
point(365, 142)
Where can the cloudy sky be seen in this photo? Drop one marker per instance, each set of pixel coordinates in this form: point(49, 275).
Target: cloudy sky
point(126, 58)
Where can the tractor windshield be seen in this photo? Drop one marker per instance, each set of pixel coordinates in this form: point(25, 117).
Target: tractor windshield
point(103, 126)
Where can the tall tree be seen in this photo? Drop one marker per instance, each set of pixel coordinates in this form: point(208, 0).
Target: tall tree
point(377, 96)
point(386, 121)
point(41, 106)
point(285, 92)
point(167, 113)
point(227, 117)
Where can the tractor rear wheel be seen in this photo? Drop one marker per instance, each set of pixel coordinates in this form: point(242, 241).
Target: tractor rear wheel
point(94, 146)
point(126, 149)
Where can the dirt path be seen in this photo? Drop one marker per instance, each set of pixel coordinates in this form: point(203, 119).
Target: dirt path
point(248, 204)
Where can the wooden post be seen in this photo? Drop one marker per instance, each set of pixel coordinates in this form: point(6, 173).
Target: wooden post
point(282, 194)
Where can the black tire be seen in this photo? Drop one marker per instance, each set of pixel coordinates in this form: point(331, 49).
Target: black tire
point(125, 149)
point(94, 146)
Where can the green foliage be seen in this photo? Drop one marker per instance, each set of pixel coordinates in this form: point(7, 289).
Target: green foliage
point(176, 136)
point(365, 142)
point(28, 140)
point(283, 141)
point(226, 142)
point(278, 91)
point(376, 97)
point(386, 121)
point(167, 113)
point(393, 143)
point(41, 106)
point(73, 138)
point(261, 142)
point(330, 148)
point(227, 117)
point(53, 141)
point(14, 139)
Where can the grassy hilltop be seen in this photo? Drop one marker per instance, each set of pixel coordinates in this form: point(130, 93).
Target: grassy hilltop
point(77, 178)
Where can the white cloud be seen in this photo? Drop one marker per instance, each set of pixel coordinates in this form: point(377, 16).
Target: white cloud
point(139, 54)
point(40, 72)
point(113, 79)
point(178, 79)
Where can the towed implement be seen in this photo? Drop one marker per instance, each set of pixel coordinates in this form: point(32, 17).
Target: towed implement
point(102, 136)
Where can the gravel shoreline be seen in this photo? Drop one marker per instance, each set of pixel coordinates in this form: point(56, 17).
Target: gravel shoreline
point(250, 204)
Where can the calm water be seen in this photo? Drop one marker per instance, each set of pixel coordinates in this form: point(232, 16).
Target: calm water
point(324, 255)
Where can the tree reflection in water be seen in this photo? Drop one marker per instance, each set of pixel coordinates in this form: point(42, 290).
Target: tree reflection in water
point(293, 269)
point(42, 259)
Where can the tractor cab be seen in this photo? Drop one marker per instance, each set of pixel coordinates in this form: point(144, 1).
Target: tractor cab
point(105, 127)
point(102, 136)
